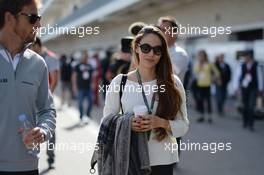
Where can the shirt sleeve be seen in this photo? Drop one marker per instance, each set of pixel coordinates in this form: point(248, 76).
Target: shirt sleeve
point(112, 103)
point(180, 61)
point(260, 78)
point(180, 125)
point(45, 107)
point(237, 77)
point(53, 64)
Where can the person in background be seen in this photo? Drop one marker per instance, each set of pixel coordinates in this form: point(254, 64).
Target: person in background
point(135, 27)
point(65, 76)
point(179, 57)
point(251, 85)
point(97, 78)
point(121, 59)
point(133, 30)
point(51, 61)
point(53, 69)
point(221, 87)
point(82, 84)
point(205, 73)
point(23, 88)
point(105, 66)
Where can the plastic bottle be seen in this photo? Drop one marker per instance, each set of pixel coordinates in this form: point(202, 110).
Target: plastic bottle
point(27, 126)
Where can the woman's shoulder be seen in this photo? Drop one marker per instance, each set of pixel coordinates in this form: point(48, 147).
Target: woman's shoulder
point(117, 79)
point(177, 80)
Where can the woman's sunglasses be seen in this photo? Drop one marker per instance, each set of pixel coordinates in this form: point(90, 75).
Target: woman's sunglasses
point(32, 18)
point(146, 48)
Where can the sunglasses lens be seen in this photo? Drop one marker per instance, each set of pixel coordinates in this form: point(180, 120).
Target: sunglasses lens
point(157, 50)
point(145, 48)
point(33, 19)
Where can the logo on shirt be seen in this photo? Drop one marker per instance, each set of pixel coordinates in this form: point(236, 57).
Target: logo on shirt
point(3, 80)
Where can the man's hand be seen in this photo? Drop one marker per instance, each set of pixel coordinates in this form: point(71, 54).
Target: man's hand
point(35, 137)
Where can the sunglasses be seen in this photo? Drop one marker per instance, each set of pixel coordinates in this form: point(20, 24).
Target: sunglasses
point(146, 48)
point(32, 18)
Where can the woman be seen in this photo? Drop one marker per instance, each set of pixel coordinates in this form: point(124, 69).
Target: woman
point(205, 74)
point(169, 116)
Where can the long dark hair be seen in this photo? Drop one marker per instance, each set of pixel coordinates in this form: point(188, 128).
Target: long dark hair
point(169, 101)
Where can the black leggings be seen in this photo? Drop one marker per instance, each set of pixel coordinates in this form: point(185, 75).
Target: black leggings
point(204, 96)
point(162, 169)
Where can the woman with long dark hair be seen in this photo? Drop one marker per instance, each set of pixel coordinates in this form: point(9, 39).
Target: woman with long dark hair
point(167, 118)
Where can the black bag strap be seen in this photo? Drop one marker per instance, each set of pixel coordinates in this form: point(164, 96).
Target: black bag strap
point(122, 85)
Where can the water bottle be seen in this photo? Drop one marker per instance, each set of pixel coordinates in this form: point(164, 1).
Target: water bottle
point(27, 126)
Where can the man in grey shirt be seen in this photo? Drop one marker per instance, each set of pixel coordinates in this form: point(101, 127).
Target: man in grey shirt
point(179, 57)
point(23, 88)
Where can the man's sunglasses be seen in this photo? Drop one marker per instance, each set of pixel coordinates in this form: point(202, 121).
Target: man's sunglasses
point(32, 18)
point(146, 48)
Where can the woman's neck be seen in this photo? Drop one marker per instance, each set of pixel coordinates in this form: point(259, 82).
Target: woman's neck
point(147, 74)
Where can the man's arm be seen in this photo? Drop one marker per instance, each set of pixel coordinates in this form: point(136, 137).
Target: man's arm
point(260, 79)
point(45, 107)
point(54, 77)
point(74, 83)
point(54, 68)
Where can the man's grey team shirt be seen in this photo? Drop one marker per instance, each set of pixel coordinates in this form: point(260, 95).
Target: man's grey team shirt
point(23, 90)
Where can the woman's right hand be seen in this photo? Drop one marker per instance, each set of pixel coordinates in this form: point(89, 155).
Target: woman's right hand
point(136, 124)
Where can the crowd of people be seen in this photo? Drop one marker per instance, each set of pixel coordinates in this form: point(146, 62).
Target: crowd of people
point(149, 57)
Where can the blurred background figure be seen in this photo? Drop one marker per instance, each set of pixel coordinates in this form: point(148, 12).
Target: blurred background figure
point(206, 74)
point(121, 59)
point(82, 85)
point(65, 77)
point(179, 57)
point(133, 30)
point(251, 84)
point(51, 61)
point(135, 27)
point(97, 74)
point(221, 85)
point(105, 63)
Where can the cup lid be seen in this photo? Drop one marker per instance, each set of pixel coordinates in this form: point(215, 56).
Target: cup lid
point(140, 109)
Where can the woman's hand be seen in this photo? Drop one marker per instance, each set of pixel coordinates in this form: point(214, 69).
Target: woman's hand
point(150, 122)
point(136, 124)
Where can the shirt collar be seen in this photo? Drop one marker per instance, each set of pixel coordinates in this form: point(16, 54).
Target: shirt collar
point(3, 50)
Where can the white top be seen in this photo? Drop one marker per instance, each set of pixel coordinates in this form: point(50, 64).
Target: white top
point(132, 96)
point(7, 56)
point(179, 60)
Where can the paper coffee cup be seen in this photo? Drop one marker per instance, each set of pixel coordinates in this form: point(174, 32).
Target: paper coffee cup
point(140, 110)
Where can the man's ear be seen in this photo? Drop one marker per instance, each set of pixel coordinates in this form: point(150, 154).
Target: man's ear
point(9, 19)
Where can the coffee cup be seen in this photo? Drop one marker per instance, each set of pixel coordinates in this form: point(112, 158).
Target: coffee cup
point(140, 110)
